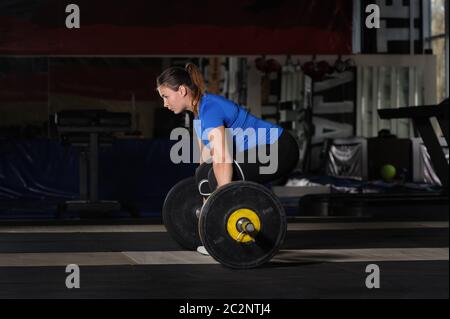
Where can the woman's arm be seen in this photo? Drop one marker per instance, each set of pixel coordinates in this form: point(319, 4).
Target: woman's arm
point(205, 153)
point(222, 161)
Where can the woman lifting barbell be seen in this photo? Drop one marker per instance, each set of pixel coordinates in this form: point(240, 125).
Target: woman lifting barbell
point(242, 146)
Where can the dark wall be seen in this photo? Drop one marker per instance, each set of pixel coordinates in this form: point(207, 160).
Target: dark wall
point(177, 27)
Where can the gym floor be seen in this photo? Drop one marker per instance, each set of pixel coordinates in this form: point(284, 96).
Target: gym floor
point(320, 258)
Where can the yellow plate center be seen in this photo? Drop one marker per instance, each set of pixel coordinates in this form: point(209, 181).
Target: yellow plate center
point(243, 213)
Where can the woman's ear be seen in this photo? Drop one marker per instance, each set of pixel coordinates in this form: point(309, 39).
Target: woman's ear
point(182, 90)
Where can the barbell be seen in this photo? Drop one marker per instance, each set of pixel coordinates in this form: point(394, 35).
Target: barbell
point(180, 213)
point(242, 224)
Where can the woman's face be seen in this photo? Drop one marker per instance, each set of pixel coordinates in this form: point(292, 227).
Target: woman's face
point(176, 101)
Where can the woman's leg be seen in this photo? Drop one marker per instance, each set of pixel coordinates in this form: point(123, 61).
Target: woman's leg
point(284, 155)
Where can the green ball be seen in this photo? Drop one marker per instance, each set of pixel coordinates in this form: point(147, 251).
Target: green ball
point(388, 172)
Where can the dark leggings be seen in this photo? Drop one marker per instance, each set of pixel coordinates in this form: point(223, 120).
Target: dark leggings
point(288, 154)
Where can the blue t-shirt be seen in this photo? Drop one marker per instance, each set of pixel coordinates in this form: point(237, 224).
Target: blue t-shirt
point(248, 130)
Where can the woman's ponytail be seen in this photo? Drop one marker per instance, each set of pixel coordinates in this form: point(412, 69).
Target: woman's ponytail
point(198, 85)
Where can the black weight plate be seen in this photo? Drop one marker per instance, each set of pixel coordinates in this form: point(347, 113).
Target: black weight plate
point(213, 225)
point(179, 215)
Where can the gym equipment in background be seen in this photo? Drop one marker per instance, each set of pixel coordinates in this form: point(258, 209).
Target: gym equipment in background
point(88, 130)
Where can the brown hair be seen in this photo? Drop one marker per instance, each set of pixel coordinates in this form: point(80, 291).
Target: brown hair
point(190, 76)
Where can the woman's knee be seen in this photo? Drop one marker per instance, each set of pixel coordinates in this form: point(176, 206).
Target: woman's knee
point(201, 173)
point(201, 178)
point(238, 175)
